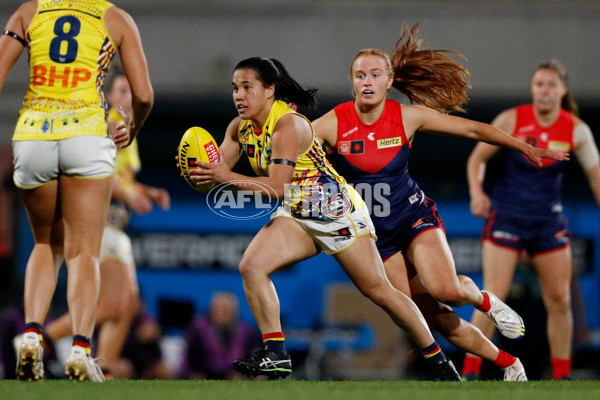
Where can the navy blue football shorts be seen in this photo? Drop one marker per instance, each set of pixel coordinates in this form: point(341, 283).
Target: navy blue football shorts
point(396, 232)
point(535, 235)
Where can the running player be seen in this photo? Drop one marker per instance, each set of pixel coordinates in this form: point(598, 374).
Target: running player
point(525, 211)
point(64, 157)
point(370, 139)
point(320, 212)
point(119, 300)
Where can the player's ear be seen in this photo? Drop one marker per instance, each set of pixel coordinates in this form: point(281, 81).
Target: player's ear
point(270, 91)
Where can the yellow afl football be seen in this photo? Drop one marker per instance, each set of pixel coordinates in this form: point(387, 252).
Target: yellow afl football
point(197, 145)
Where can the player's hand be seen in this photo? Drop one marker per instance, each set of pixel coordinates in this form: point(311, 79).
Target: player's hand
point(161, 197)
point(122, 136)
point(139, 202)
point(177, 162)
point(481, 205)
point(536, 154)
point(218, 172)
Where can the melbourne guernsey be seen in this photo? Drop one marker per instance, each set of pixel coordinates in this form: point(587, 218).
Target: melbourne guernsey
point(524, 189)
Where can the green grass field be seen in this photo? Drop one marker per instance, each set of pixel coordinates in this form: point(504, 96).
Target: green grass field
point(300, 390)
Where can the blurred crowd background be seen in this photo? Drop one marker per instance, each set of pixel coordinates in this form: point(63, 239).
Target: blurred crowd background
point(188, 254)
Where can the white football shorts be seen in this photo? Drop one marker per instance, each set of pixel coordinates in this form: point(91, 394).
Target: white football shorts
point(334, 236)
point(116, 245)
point(37, 162)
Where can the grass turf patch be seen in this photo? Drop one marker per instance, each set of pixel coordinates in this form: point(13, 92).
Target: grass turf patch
point(300, 390)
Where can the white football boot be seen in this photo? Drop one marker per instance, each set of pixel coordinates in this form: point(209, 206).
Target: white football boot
point(30, 366)
point(81, 367)
point(515, 372)
point(508, 322)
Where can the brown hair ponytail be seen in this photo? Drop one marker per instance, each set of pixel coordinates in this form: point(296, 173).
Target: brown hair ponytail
point(428, 77)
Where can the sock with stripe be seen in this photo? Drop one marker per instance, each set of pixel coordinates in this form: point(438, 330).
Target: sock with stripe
point(561, 367)
point(84, 342)
point(504, 359)
point(433, 353)
point(275, 342)
point(485, 306)
point(35, 328)
point(472, 365)
point(107, 373)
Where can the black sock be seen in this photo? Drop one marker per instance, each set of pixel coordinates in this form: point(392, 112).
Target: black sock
point(433, 353)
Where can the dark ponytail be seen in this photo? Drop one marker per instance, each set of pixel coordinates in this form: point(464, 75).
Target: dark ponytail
point(270, 71)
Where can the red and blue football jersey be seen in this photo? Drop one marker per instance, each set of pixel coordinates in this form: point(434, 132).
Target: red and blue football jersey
point(524, 189)
point(374, 158)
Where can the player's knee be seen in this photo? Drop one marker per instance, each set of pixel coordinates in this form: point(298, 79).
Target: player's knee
point(249, 267)
point(452, 328)
point(79, 254)
point(559, 301)
point(443, 320)
point(447, 294)
point(377, 294)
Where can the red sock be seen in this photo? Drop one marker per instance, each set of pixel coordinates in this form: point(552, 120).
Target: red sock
point(275, 341)
point(485, 306)
point(504, 359)
point(273, 336)
point(472, 364)
point(561, 367)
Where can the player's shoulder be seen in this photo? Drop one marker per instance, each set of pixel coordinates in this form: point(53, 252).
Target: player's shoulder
point(26, 11)
point(292, 121)
point(508, 113)
point(579, 122)
point(508, 116)
point(119, 22)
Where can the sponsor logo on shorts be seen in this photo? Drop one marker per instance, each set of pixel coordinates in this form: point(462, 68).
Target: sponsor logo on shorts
point(389, 142)
point(343, 234)
point(502, 235)
point(562, 237)
point(336, 206)
point(250, 150)
point(423, 223)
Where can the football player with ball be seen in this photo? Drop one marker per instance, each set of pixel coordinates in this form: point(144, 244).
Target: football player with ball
point(320, 212)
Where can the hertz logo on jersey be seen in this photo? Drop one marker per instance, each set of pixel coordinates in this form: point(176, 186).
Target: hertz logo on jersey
point(389, 142)
point(559, 145)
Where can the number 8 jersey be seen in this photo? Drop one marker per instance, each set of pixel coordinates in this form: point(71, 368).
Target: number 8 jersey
point(70, 52)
